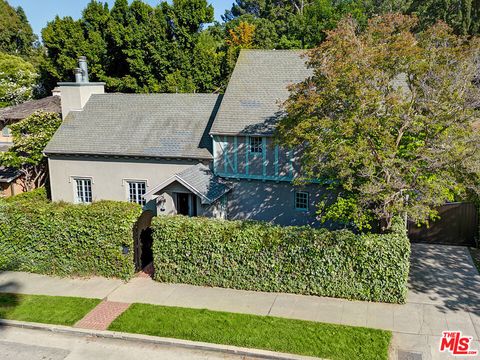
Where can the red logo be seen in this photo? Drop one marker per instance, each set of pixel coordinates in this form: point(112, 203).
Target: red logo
point(456, 344)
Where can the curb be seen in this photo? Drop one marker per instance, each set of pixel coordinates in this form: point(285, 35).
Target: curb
point(136, 338)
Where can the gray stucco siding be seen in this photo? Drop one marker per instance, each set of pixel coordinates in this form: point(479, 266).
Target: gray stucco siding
point(109, 175)
point(272, 202)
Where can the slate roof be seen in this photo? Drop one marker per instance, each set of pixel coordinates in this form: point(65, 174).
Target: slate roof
point(24, 110)
point(256, 90)
point(200, 180)
point(139, 125)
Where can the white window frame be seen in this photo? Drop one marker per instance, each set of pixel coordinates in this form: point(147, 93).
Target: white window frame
point(139, 197)
point(255, 145)
point(307, 200)
point(84, 180)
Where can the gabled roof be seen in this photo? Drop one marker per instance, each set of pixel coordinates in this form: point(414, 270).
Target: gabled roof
point(200, 180)
point(24, 110)
point(140, 125)
point(258, 86)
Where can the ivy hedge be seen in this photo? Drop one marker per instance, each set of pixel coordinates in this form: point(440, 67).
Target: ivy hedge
point(264, 257)
point(65, 239)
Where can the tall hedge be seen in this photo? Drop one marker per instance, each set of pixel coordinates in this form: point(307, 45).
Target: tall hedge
point(264, 257)
point(65, 239)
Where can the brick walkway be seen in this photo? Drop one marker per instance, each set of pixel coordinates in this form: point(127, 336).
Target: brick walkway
point(147, 271)
point(102, 316)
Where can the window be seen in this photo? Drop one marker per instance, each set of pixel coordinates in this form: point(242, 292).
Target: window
point(301, 200)
point(136, 190)
point(83, 191)
point(6, 131)
point(256, 145)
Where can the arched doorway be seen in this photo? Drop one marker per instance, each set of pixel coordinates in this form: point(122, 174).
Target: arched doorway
point(146, 242)
point(143, 240)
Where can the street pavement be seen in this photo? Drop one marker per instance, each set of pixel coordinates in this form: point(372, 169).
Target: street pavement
point(25, 344)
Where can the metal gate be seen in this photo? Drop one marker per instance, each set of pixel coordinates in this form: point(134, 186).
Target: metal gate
point(458, 225)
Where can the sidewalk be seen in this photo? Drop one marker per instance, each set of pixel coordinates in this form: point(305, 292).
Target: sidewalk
point(444, 295)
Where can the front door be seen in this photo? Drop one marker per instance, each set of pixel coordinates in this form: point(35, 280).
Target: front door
point(186, 204)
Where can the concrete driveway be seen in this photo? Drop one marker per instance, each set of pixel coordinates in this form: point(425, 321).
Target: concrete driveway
point(444, 276)
point(444, 294)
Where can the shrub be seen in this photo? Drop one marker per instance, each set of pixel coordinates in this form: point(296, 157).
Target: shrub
point(263, 257)
point(66, 239)
point(37, 195)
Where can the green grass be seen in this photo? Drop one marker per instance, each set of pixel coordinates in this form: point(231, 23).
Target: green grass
point(261, 332)
point(45, 309)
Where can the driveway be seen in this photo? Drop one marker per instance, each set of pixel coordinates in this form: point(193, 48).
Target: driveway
point(444, 294)
point(444, 276)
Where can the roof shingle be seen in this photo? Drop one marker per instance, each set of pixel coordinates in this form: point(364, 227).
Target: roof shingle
point(24, 110)
point(200, 180)
point(143, 125)
point(258, 86)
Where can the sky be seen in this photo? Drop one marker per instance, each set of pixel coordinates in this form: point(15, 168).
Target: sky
point(39, 12)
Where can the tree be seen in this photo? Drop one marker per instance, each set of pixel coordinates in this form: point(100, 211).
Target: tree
point(297, 23)
point(138, 48)
point(30, 136)
point(461, 15)
point(16, 35)
point(18, 80)
point(386, 120)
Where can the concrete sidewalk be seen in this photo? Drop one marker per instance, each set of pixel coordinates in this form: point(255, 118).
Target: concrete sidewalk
point(444, 295)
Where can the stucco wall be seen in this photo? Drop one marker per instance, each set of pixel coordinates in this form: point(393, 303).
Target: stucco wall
point(109, 175)
point(76, 95)
point(273, 202)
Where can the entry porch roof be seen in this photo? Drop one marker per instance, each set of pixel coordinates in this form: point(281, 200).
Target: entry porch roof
point(200, 180)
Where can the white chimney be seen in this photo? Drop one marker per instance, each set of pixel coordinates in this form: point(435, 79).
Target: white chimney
point(76, 94)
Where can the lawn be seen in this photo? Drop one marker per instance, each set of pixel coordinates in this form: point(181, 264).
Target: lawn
point(45, 309)
point(261, 332)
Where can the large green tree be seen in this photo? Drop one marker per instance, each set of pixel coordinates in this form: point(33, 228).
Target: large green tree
point(386, 120)
point(18, 80)
point(462, 15)
point(139, 48)
point(295, 23)
point(30, 136)
point(16, 35)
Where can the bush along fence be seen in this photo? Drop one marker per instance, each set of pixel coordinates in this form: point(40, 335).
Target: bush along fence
point(65, 239)
point(264, 257)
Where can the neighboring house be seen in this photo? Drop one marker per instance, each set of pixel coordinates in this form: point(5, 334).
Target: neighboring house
point(191, 154)
point(9, 179)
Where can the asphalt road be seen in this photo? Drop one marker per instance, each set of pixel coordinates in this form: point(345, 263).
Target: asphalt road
point(24, 344)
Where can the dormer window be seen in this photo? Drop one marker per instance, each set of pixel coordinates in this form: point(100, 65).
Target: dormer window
point(256, 145)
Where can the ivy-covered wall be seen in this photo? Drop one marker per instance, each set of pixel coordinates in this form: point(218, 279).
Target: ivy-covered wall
point(65, 239)
point(263, 257)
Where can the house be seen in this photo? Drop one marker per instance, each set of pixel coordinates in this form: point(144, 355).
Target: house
point(191, 154)
point(9, 179)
